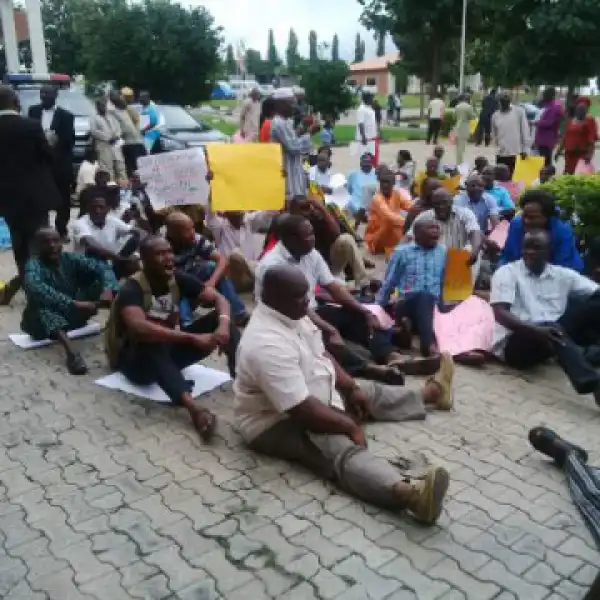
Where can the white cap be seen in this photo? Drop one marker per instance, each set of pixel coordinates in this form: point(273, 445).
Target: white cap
point(284, 93)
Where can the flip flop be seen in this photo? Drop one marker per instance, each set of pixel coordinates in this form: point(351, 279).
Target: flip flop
point(548, 442)
point(76, 365)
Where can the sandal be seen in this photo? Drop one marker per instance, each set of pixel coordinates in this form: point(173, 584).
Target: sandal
point(76, 365)
point(548, 442)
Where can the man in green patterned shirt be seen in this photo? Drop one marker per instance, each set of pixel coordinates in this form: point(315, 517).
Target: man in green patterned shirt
point(63, 291)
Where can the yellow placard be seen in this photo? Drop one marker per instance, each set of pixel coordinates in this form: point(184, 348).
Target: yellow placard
point(451, 184)
point(528, 170)
point(473, 126)
point(246, 177)
point(458, 278)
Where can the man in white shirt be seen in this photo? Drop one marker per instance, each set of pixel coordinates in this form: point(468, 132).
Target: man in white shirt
point(540, 313)
point(367, 133)
point(293, 401)
point(104, 237)
point(435, 114)
point(511, 133)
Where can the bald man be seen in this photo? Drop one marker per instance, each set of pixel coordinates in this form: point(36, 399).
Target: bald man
point(197, 256)
point(544, 311)
point(293, 401)
point(144, 338)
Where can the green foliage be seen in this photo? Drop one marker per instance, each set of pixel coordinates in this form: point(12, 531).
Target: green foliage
point(155, 45)
point(230, 62)
point(359, 49)
point(335, 48)
point(256, 66)
point(579, 199)
point(380, 39)
point(292, 56)
point(448, 122)
point(313, 51)
point(272, 54)
point(325, 85)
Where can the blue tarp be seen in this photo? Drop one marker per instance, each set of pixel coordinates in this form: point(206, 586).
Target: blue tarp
point(5, 243)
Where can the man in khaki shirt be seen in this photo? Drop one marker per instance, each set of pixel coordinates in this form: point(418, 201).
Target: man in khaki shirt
point(250, 116)
point(294, 402)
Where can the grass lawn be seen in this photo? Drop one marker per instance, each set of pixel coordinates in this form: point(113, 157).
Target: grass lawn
point(344, 134)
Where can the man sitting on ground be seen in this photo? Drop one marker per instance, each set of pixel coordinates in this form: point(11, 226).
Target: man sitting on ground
point(339, 250)
point(541, 312)
point(103, 237)
point(482, 204)
point(415, 272)
point(347, 318)
point(63, 291)
point(294, 402)
point(197, 256)
point(506, 207)
point(144, 340)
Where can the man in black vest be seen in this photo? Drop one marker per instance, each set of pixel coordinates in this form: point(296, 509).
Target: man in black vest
point(58, 126)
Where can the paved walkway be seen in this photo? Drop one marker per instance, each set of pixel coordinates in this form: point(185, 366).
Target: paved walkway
point(103, 496)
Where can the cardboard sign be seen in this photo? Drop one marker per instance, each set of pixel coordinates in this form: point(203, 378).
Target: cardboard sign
point(246, 177)
point(458, 277)
point(527, 171)
point(175, 178)
point(500, 233)
point(469, 326)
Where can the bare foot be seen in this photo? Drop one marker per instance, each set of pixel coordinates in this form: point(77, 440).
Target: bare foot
point(471, 359)
point(204, 422)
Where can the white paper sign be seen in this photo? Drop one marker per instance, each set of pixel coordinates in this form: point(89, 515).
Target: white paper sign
point(25, 341)
point(175, 178)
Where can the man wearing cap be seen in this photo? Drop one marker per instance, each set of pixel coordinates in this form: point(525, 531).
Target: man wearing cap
point(129, 97)
point(250, 116)
point(295, 143)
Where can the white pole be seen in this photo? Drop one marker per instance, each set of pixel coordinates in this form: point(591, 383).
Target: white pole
point(463, 43)
point(11, 48)
point(36, 37)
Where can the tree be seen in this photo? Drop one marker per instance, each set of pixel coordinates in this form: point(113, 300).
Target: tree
point(272, 54)
point(231, 65)
point(313, 52)
point(165, 48)
point(359, 49)
point(425, 31)
point(380, 38)
point(335, 48)
point(256, 65)
point(291, 54)
point(325, 85)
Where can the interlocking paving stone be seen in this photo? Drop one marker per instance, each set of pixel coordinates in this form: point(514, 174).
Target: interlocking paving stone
point(106, 497)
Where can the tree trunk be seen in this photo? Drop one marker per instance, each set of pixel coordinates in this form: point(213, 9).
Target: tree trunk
point(436, 66)
point(421, 99)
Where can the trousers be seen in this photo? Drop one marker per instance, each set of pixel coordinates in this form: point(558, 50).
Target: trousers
point(22, 230)
point(131, 153)
point(64, 185)
point(484, 130)
point(148, 363)
point(580, 324)
point(225, 287)
point(337, 458)
point(241, 271)
point(461, 146)
point(433, 130)
point(419, 307)
point(353, 327)
point(345, 253)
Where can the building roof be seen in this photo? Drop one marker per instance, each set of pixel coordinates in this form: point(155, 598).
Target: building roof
point(380, 63)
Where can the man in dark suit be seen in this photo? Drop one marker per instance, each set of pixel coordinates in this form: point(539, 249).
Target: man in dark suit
point(58, 126)
point(27, 187)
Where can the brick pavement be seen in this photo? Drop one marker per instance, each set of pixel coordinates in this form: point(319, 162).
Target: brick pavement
point(103, 496)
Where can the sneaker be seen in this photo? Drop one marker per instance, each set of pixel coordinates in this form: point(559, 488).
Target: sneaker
point(426, 504)
point(548, 442)
point(444, 378)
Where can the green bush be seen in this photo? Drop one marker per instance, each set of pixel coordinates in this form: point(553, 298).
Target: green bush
point(448, 122)
point(578, 197)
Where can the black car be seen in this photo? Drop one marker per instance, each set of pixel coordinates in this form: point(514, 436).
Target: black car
point(75, 102)
point(179, 130)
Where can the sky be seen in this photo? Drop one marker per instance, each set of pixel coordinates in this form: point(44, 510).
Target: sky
point(249, 21)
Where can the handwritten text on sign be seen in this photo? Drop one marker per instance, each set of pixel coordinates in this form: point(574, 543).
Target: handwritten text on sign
point(175, 178)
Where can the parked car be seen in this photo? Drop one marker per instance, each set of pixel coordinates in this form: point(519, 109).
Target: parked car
point(180, 130)
point(223, 91)
point(75, 101)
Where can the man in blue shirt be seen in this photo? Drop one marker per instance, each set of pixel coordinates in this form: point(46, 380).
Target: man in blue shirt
point(415, 272)
point(506, 207)
point(482, 204)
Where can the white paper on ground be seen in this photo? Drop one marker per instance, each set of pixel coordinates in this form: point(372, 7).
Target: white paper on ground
point(25, 341)
point(205, 380)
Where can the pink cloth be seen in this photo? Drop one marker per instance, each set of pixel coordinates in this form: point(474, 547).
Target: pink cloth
point(238, 138)
point(584, 168)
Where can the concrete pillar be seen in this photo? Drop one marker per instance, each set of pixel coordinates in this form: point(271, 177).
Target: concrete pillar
point(36, 36)
point(9, 33)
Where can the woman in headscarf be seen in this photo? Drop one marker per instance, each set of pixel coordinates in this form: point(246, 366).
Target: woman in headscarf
point(579, 138)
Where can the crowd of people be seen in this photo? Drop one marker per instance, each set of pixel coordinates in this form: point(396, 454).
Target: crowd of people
point(315, 360)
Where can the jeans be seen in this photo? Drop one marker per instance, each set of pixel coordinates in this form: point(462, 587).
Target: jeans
point(147, 363)
point(224, 287)
point(419, 307)
point(546, 152)
point(484, 130)
point(353, 327)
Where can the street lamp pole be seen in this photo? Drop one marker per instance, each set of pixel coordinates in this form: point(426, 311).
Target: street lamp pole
point(463, 43)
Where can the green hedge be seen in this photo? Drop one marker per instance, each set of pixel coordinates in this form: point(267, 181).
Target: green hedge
point(448, 122)
point(579, 199)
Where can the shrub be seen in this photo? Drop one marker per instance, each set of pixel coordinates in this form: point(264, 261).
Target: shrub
point(448, 122)
point(578, 197)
